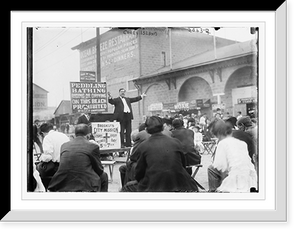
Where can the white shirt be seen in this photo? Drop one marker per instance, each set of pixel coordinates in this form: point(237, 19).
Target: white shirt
point(232, 156)
point(202, 121)
point(51, 146)
point(126, 108)
point(198, 137)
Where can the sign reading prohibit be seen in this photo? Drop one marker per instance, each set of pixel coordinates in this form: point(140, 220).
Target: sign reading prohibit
point(107, 134)
point(90, 94)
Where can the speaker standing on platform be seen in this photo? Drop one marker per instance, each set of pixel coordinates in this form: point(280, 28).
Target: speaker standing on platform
point(123, 114)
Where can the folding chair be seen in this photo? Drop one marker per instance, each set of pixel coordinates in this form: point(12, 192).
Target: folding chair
point(195, 173)
point(209, 146)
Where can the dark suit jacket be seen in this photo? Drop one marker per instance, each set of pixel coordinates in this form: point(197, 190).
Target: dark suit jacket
point(79, 169)
point(134, 156)
point(161, 166)
point(186, 137)
point(246, 137)
point(119, 106)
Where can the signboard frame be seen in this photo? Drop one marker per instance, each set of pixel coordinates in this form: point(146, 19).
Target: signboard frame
point(90, 94)
point(107, 134)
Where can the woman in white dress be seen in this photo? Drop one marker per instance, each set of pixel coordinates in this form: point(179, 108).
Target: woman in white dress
point(232, 169)
point(198, 138)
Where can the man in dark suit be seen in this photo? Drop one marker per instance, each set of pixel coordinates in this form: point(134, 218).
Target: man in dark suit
point(186, 137)
point(123, 114)
point(161, 164)
point(85, 117)
point(80, 168)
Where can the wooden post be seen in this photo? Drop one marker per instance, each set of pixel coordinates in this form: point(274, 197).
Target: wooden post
point(98, 76)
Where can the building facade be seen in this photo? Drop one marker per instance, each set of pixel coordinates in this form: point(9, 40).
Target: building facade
point(180, 70)
point(40, 98)
point(203, 83)
point(41, 110)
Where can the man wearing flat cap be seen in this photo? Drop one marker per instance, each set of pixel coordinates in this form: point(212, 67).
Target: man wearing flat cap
point(80, 168)
point(186, 137)
point(161, 165)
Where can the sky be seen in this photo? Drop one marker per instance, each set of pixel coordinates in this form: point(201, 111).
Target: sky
point(56, 64)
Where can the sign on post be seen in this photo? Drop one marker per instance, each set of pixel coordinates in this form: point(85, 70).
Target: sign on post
point(87, 76)
point(107, 134)
point(90, 94)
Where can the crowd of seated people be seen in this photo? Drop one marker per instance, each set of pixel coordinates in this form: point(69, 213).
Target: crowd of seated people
point(160, 158)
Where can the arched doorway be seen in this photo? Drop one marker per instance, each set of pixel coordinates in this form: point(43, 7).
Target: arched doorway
point(196, 88)
point(156, 96)
point(241, 91)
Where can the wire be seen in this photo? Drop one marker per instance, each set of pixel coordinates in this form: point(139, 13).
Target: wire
point(54, 63)
point(51, 40)
point(61, 46)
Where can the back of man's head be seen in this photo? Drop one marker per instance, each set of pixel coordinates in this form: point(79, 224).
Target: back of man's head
point(46, 127)
point(81, 130)
point(177, 123)
point(154, 125)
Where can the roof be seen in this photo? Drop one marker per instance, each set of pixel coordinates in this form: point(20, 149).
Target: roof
point(223, 53)
point(63, 108)
point(40, 87)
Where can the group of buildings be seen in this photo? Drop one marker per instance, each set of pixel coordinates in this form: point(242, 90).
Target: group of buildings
point(179, 69)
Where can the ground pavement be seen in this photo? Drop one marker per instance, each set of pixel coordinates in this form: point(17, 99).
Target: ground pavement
point(115, 184)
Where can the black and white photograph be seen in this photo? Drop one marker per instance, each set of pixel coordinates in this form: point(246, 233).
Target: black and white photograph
point(148, 116)
point(143, 109)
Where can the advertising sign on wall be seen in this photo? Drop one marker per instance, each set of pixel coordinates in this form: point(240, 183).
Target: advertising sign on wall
point(107, 134)
point(117, 49)
point(91, 94)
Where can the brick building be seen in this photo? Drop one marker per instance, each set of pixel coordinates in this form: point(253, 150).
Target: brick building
point(204, 83)
point(179, 70)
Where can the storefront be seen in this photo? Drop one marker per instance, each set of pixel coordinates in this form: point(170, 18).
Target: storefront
point(203, 86)
point(196, 107)
point(244, 100)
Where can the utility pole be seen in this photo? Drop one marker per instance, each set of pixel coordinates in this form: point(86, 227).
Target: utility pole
point(170, 48)
point(98, 67)
point(215, 45)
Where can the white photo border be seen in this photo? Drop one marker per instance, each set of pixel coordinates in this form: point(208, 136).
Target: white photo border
point(271, 207)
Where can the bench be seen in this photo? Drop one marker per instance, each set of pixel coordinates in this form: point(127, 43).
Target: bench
point(110, 165)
